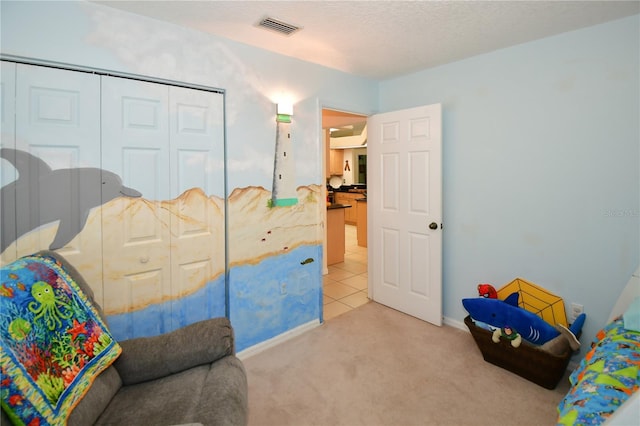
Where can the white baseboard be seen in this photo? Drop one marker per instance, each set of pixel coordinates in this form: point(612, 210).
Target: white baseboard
point(455, 323)
point(262, 346)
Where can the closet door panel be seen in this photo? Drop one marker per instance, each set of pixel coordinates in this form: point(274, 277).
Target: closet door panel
point(58, 155)
point(197, 188)
point(135, 146)
point(8, 173)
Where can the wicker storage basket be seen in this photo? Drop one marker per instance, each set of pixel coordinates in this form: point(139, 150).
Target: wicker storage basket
point(526, 361)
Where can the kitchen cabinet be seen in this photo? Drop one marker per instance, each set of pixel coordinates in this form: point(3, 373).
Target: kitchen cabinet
point(362, 221)
point(336, 160)
point(335, 234)
point(351, 215)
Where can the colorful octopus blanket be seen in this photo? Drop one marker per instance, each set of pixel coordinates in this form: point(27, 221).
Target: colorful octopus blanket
point(53, 342)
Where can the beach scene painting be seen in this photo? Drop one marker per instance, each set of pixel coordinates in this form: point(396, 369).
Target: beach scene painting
point(158, 265)
point(274, 263)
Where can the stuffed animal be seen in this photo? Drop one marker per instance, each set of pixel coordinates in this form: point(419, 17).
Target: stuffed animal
point(488, 291)
point(500, 313)
point(507, 333)
point(561, 344)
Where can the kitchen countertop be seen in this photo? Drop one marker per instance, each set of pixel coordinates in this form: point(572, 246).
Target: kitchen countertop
point(347, 188)
point(338, 206)
point(350, 191)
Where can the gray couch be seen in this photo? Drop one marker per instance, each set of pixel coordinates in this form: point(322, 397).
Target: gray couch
point(188, 376)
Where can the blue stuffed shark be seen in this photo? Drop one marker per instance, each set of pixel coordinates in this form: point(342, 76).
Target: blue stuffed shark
point(501, 313)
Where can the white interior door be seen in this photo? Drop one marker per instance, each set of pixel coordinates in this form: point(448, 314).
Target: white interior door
point(405, 210)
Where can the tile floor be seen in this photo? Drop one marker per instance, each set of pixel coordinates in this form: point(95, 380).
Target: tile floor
point(345, 286)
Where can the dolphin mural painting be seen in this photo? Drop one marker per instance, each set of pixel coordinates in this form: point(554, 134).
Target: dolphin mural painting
point(531, 327)
point(41, 195)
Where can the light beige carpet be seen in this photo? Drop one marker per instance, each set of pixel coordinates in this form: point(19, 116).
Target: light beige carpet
point(377, 366)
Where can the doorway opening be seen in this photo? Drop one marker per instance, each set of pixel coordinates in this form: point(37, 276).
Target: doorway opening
point(345, 281)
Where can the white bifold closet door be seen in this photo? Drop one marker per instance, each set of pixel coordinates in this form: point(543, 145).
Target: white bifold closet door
point(165, 142)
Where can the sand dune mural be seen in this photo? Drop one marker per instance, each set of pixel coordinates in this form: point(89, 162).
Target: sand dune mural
point(261, 231)
point(128, 242)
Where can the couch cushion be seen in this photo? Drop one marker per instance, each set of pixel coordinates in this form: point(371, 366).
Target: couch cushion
point(212, 395)
point(53, 341)
point(148, 358)
point(225, 394)
point(97, 398)
point(171, 400)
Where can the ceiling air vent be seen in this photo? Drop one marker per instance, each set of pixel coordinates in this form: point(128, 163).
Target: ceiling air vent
point(278, 26)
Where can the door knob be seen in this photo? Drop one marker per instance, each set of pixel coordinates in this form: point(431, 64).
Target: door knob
point(433, 225)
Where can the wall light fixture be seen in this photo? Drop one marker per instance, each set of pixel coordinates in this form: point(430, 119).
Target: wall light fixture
point(285, 111)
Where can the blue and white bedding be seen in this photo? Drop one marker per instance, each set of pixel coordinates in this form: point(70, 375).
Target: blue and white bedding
point(607, 376)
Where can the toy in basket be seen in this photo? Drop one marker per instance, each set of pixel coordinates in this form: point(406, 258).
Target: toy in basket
point(546, 348)
point(536, 299)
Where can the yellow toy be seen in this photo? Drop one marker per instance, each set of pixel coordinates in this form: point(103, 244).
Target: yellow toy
point(537, 300)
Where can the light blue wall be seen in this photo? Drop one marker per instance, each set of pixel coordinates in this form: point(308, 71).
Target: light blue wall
point(88, 34)
point(91, 35)
point(541, 141)
point(541, 165)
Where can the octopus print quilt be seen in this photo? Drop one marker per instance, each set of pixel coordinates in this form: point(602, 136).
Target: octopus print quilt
point(53, 342)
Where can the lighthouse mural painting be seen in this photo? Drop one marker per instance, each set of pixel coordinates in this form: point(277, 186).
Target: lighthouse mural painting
point(284, 192)
point(275, 277)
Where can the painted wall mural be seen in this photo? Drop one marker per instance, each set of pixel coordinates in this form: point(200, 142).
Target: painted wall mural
point(275, 261)
point(283, 193)
point(159, 264)
point(273, 249)
point(275, 269)
point(38, 184)
point(275, 264)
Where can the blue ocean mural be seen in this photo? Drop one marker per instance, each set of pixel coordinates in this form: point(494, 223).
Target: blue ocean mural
point(208, 302)
point(275, 295)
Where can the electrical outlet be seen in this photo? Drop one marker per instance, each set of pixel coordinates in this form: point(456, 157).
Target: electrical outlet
point(283, 288)
point(576, 310)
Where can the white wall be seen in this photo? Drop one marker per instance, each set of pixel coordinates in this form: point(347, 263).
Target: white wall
point(541, 165)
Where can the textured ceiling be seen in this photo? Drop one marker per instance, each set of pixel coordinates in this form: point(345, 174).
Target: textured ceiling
point(383, 39)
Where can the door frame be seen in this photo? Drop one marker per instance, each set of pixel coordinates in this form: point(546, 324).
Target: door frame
point(323, 148)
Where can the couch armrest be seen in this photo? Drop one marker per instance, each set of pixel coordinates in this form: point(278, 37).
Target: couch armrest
point(149, 358)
